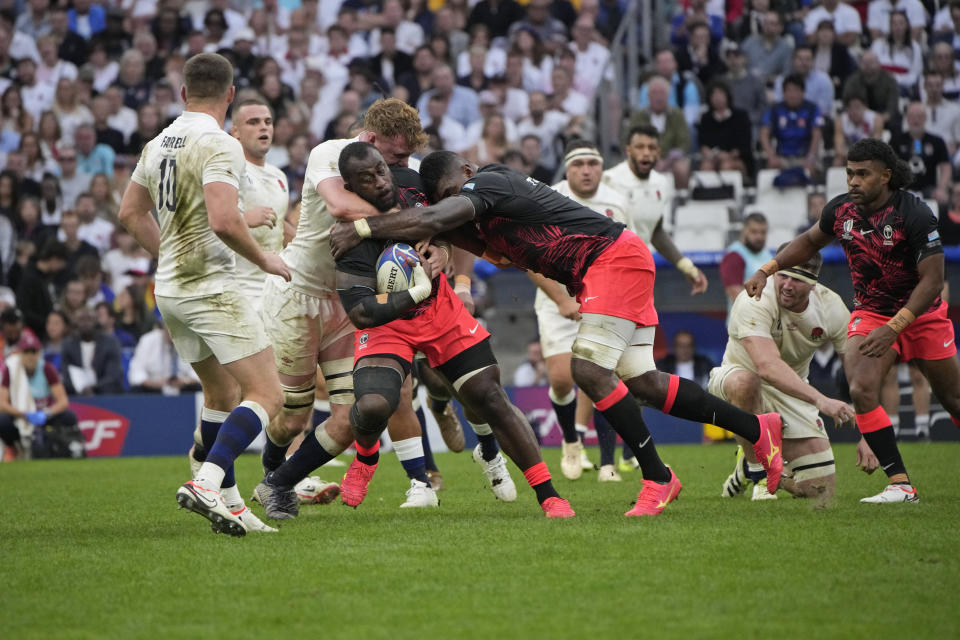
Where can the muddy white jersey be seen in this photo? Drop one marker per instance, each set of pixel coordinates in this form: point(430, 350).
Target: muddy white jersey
point(264, 186)
point(191, 152)
point(797, 335)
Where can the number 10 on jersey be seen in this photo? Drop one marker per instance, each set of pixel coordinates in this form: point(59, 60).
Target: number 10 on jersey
point(167, 192)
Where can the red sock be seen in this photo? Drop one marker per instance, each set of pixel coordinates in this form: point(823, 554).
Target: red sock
point(955, 421)
point(368, 455)
point(537, 474)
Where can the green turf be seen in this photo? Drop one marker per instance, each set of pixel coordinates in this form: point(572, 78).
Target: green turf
point(98, 549)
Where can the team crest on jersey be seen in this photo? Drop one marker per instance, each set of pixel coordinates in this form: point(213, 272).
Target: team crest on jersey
point(282, 186)
point(888, 235)
point(364, 337)
point(659, 197)
point(847, 228)
point(816, 333)
point(609, 213)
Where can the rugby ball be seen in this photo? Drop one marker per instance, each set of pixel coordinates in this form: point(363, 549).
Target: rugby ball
point(393, 272)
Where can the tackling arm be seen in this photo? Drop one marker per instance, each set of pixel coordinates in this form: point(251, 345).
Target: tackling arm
point(367, 308)
point(343, 204)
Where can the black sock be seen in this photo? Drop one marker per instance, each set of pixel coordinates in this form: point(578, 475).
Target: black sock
point(308, 457)
point(199, 452)
point(437, 405)
point(567, 418)
point(693, 403)
point(883, 443)
point(273, 455)
point(607, 438)
point(488, 446)
point(627, 452)
point(626, 417)
point(427, 451)
point(545, 490)
point(369, 459)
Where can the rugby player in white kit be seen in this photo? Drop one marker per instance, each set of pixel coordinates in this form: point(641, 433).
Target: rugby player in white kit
point(191, 174)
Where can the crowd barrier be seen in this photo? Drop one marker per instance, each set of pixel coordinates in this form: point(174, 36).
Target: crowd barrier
point(155, 425)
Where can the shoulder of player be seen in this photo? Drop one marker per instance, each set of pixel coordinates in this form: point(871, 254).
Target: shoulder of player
point(328, 151)
point(836, 203)
point(561, 187)
point(617, 172)
point(911, 206)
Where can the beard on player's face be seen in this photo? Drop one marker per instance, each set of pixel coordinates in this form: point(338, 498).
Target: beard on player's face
point(387, 199)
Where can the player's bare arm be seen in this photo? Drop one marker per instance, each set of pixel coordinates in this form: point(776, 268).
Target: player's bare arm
point(775, 372)
point(569, 308)
point(260, 216)
point(135, 214)
point(797, 252)
point(409, 225)
point(221, 201)
point(343, 204)
point(366, 308)
point(930, 270)
point(663, 243)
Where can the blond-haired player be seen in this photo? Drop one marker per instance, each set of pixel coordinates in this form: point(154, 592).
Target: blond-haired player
point(765, 365)
point(191, 173)
point(558, 315)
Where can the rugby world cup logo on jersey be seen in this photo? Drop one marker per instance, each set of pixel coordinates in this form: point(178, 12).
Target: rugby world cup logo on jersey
point(888, 235)
point(847, 229)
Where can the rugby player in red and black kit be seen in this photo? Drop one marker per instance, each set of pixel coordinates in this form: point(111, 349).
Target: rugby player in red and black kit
point(506, 216)
point(896, 264)
point(428, 317)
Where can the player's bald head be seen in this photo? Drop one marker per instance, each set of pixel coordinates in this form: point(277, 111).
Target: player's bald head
point(444, 173)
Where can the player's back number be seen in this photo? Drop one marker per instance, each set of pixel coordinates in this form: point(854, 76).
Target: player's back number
point(167, 192)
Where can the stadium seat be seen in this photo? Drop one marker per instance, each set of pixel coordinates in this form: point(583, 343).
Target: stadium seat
point(784, 208)
point(696, 214)
point(717, 178)
point(836, 182)
point(700, 239)
point(778, 235)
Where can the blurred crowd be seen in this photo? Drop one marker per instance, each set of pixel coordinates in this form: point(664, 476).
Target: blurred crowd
point(741, 85)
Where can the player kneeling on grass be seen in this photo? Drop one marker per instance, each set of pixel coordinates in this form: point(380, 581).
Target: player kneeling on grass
point(765, 367)
point(427, 317)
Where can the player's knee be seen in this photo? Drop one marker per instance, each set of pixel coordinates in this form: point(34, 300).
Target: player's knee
point(864, 392)
point(742, 388)
point(482, 392)
point(377, 389)
point(562, 387)
point(589, 376)
point(813, 473)
point(370, 413)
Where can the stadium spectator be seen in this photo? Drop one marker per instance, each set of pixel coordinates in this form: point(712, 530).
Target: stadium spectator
point(27, 221)
point(899, 54)
point(943, 116)
point(818, 88)
point(12, 330)
point(768, 54)
point(476, 77)
point(419, 79)
point(36, 291)
point(157, 368)
point(58, 327)
point(750, 21)
point(35, 163)
point(74, 298)
point(390, 63)
point(854, 123)
point(926, 154)
point(532, 372)
point(942, 61)
point(103, 69)
point(149, 126)
point(462, 102)
point(531, 154)
point(298, 152)
point(127, 257)
point(726, 140)
point(537, 19)
point(91, 362)
point(77, 248)
point(32, 397)
point(547, 124)
point(8, 195)
point(51, 68)
point(70, 46)
point(114, 34)
point(681, 25)
point(452, 134)
point(97, 231)
point(493, 142)
point(19, 45)
point(685, 361)
point(106, 199)
point(795, 126)
point(513, 103)
point(831, 57)
point(92, 157)
point(949, 218)
point(34, 21)
point(742, 258)
point(877, 86)
point(132, 315)
point(146, 44)
point(880, 12)
point(447, 25)
point(565, 98)
point(37, 96)
point(408, 35)
point(684, 91)
point(591, 57)
point(51, 200)
point(87, 19)
point(107, 321)
point(700, 56)
point(49, 135)
point(845, 19)
point(674, 133)
point(497, 15)
point(747, 89)
point(537, 65)
point(90, 275)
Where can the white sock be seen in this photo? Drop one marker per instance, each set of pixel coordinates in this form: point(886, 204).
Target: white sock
point(408, 449)
point(231, 498)
point(481, 429)
point(210, 476)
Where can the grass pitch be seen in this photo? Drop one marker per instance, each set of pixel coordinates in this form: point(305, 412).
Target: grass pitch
point(97, 549)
